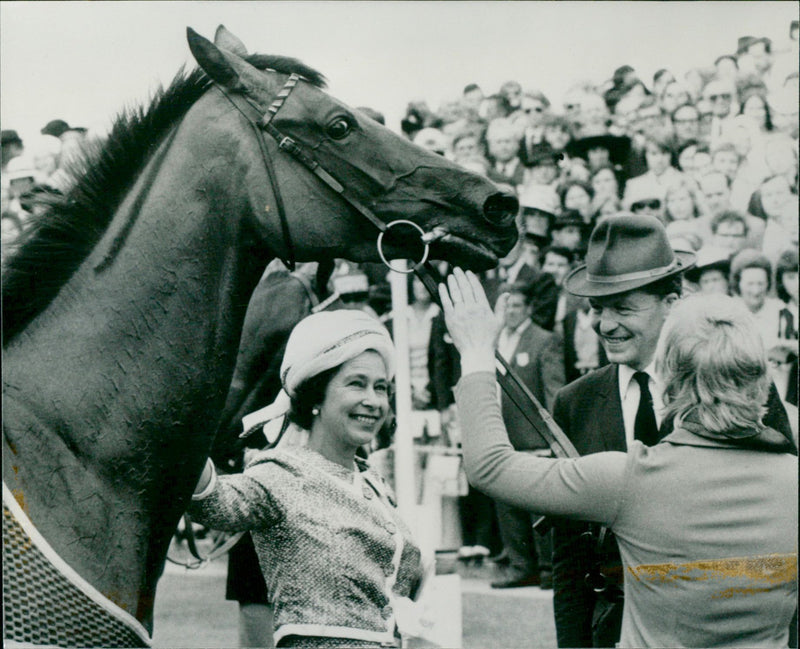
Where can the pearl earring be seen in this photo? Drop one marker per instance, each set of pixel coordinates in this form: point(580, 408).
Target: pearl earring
point(315, 411)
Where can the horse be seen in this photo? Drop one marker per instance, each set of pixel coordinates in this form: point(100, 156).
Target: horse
point(123, 309)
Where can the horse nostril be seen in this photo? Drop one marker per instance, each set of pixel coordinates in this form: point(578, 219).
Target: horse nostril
point(500, 209)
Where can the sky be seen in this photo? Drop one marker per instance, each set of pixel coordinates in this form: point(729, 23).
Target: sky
point(83, 61)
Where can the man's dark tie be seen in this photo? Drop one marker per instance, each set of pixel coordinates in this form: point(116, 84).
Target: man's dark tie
point(645, 428)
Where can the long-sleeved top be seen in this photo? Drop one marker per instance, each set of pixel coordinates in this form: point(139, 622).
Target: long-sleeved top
point(334, 552)
point(707, 530)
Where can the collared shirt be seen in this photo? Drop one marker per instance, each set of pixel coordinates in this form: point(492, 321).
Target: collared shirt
point(507, 168)
point(629, 394)
point(509, 340)
point(586, 342)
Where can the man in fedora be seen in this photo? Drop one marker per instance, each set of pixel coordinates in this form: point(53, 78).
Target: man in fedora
point(632, 278)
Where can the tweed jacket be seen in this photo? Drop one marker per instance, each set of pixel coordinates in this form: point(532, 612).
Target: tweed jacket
point(334, 552)
point(707, 530)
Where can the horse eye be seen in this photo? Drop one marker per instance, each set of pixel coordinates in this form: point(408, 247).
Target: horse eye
point(339, 128)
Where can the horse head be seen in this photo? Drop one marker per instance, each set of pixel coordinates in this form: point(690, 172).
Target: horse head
point(368, 169)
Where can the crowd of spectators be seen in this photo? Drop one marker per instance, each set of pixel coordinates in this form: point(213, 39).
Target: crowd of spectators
point(712, 152)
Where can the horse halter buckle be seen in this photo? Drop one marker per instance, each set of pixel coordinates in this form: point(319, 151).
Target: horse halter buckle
point(426, 249)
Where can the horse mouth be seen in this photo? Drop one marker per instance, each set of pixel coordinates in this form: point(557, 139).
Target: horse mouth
point(463, 251)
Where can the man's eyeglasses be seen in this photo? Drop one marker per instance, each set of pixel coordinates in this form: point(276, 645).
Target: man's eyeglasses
point(726, 96)
point(648, 204)
point(686, 120)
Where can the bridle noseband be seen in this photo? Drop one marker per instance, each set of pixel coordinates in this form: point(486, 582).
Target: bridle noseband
point(261, 122)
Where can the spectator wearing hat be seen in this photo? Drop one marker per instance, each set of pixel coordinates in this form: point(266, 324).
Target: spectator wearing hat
point(739, 475)
point(535, 355)
point(542, 165)
point(55, 127)
point(751, 281)
point(418, 115)
point(538, 205)
point(567, 231)
point(502, 142)
point(601, 150)
point(710, 274)
point(432, 139)
point(11, 146)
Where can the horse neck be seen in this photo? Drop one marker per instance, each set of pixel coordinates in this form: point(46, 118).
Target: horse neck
point(117, 383)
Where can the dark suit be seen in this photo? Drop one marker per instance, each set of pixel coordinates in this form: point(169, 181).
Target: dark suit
point(570, 355)
point(537, 361)
point(543, 287)
point(476, 509)
point(589, 412)
point(516, 178)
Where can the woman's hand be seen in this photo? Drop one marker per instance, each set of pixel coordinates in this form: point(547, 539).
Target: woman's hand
point(473, 326)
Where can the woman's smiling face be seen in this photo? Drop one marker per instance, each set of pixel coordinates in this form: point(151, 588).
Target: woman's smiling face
point(356, 401)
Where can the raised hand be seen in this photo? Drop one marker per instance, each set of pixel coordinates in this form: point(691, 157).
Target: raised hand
point(473, 326)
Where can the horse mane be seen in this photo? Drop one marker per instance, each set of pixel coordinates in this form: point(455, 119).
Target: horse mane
point(60, 237)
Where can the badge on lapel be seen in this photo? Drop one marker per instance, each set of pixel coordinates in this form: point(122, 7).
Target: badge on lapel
point(522, 359)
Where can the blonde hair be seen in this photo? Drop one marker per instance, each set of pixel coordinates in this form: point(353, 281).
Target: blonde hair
point(714, 365)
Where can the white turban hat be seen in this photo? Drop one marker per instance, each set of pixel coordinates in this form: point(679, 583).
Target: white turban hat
point(327, 339)
point(320, 342)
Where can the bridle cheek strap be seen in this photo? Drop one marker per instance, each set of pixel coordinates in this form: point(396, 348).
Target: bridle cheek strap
point(261, 122)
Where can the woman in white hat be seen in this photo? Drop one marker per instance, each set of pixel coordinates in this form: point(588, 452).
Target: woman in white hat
point(337, 559)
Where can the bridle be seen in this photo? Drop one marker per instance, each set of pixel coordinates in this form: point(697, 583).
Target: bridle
point(261, 123)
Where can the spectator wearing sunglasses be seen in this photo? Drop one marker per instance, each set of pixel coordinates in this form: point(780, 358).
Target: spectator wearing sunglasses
point(720, 95)
point(534, 107)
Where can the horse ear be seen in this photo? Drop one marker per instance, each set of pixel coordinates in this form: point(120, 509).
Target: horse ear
point(213, 61)
point(228, 41)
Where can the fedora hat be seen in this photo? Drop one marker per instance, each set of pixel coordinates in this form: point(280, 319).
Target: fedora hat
point(709, 258)
point(626, 251)
point(618, 147)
